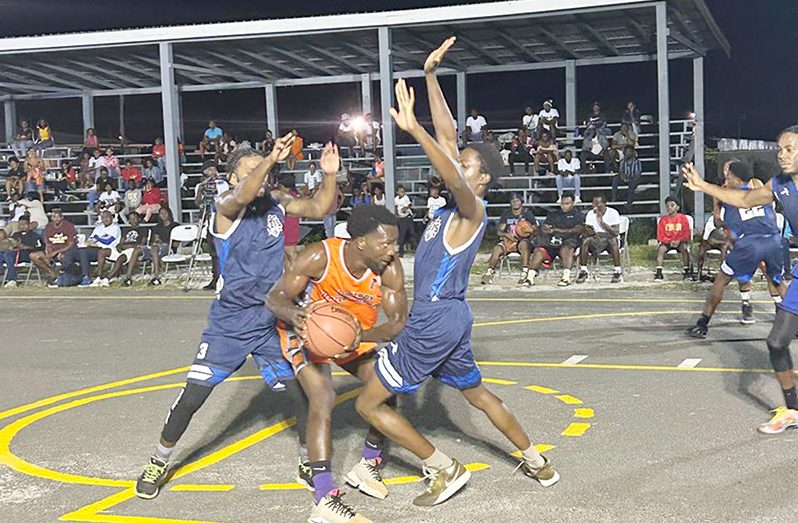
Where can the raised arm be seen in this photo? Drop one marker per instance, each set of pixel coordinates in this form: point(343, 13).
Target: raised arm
point(469, 206)
point(394, 304)
point(744, 199)
point(321, 201)
point(442, 120)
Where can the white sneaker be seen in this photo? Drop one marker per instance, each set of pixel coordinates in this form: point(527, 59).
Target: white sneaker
point(559, 200)
point(96, 282)
point(577, 200)
point(366, 477)
point(10, 284)
point(104, 282)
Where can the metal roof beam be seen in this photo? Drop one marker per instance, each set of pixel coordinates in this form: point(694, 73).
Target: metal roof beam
point(685, 36)
point(119, 76)
point(336, 58)
point(260, 73)
point(213, 69)
point(30, 87)
point(512, 42)
point(713, 26)
point(688, 43)
point(134, 68)
point(429, 46)
point(77, 74)
point(152, 61)
point(475, 47)
point(302, 60)
point(557, 42)
point(49, 77)
point(646, 37)
point(600, 38)
point(270, 63)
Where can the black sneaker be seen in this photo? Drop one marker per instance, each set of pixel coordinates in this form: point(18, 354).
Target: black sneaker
point(617, 277)
point(582, 278)
point(127, 282)
point(698, 331)
point(304, 476)
point(659, 276)
point(747, 317)
point(155, 281)
point(150, 481)
point(211, 286)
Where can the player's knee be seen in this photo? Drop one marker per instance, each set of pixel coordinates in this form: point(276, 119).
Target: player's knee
point(779, 354)
point(321, 401)
point(480, 397)
point(192, 397)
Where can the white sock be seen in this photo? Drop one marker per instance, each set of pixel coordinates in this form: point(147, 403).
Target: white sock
point(532, 456)
point(776, 299)
point(566, 274)
point(163, 453)
point(584, 268)
point(438, 461)
point(745, 295)
point(534, 273)
point(617, 270)
point(303, 454)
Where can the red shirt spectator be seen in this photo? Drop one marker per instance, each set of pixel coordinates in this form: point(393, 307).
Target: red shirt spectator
point(59, 236)
point(673, 228)
point(131, 173)
point(151, 197)
point(158, 150)
point(71, 175)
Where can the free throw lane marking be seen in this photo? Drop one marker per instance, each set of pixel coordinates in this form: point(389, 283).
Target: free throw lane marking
point(583, 413)
point(188, 487)
point(689, 363)
point(576, 358)
point(542, 390)
point(568, 399)
point(576, 429)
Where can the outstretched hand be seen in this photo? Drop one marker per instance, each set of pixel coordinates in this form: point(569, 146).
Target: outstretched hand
point(330, 159)
point(405, 100)
point(436, 57)
point(282, 147)
point(692, 179)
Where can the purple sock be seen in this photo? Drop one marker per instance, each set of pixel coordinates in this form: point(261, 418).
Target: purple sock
point(322, 479)
point(371, 451)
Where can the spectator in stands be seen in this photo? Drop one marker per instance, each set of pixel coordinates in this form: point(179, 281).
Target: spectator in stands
point(160, 244)
point(35, 209)
point(548, 119)
point(268, 143)
point(295, 154)
point(129, 204)
point(97, 162)
point(629, 172)
point(369, 136)
point(595, 147)
point(360, 196)
point(521, 148)
point(108, 199)
point(530, 121)
point(623, 137)
point(98, 247)
point(91, 142)
point(61, 180)
point(601, 233)
point(312, 179)
point(44, 139)
point(404, 211)
point(150, 200)
point(129, 249)
point(226, 146)
point(99, 185)
point(596, 120)
point(376, 175)
point(346, 134)
point(15, 178)
point(434, 201)
point(151, 171)
point(632, 117)
point(211, 137)
point(547, 151)
point(28, 242)
point(59, 240)
point(8, 257)
point(131, 175)
point(568, 169)
point(511, 242)
point(181, 151)
point(332, 212)
point(23, 141)
point(86, 174)
point(475, 128)
point(673, 232)
point(559, 236)
point(377, 195)
point(159, 154)
point(35, 170)
point(112, 163)
point(717, 239)
point(16, 211)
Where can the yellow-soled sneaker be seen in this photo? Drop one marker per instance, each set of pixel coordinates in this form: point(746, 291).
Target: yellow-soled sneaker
point(783, 419)
point(442, 484)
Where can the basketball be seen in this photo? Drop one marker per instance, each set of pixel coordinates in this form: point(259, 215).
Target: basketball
point(329, 329)
point(524, 229)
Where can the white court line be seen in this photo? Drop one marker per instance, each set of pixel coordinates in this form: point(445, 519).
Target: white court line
point(573, 360)
point(689, 363)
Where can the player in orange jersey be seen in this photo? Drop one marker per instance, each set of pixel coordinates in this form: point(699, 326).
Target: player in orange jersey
point(358, 275)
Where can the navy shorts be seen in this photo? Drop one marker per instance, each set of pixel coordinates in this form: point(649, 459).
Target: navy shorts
point(749, 251)
point(221, 352)
point(436, 342)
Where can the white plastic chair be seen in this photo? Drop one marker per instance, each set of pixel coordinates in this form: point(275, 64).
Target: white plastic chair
point(674, 252)
point(623, 232)
point(181, 235)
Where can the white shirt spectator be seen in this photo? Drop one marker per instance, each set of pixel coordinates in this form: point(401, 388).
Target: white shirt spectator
point(530, 121)
point(312, 179)
point(611, 217)
point(111, 198)
point(433, 204)
point(96, 163)
point(476, 124)
point(573, 166)
point(345, 127)
point(403, 205)
point(378, 201)
point(106, 237)
point(551, 113)
point(36, 210)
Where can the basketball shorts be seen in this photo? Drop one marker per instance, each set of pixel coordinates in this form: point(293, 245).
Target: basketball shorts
point(222, 352)
point(747, 253)
point(435, 343)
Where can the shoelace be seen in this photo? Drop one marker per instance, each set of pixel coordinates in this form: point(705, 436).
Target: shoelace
point(151, 473)
point(372, 465)
point(431, 476)
point(338, 506)
point(524, 462)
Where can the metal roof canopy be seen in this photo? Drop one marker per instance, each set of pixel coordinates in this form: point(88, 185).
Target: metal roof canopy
point(492, 37)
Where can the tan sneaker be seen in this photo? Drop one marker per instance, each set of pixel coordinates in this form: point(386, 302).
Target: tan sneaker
point(442, 484)
point(783, 419)
point(366, 477)
point(545, 475)
point(332, 509)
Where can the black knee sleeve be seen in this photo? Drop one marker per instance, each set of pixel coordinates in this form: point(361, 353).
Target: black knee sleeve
point(190, 399)
point(779, 356)
point(785, 327)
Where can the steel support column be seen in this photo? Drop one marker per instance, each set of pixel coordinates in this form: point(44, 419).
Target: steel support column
point(664, 110)
point(570, 97)
point(462, 100)
point(181, 125)
point(271, 109)
point(169, 103)
point(698, 139)
point(365, 92)
point(10, 107)
point(87, 102)
point(386, 102)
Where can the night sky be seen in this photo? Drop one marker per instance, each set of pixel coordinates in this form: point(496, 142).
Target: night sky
point(752, 93)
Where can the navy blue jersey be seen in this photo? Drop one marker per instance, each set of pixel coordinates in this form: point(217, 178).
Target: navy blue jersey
point(786, 192)
point(440, 271)
point(756, 220)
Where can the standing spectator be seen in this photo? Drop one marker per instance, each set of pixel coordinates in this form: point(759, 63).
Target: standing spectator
point(15, 178)
point(595, 147)
point(559, 236)
point(511, 242)
point(332, 213)
point(629, 172)
point(673, 232)
point(59, 240)
point(312, 179)
point(45, 136)
point(35, 170)
point(295, 154)
point(152, 172)
point(377, 195)
point(130, 249)
point(268, 143)
point(211, 137)
point(61, 181)
point(98, 247)
point(521, 148)
point(476, 125)
point(602, 232)
point(404, 210)
point(35, 210)
point(112, 163)
point(548, 119)
point(131, 176)
point(24, 140)
point(28, 242)
point(91, 142)
point(86, 174)
point(434, 201)
point(547, 150)
point(623, 137)
point(568, 169)
point(108, 199)
point(159, 153)
point(96, 163)
point(160, 243)
point(632, 117)
point(150, 200)
point(530, 121)
point(287, 184)
point(346, 134)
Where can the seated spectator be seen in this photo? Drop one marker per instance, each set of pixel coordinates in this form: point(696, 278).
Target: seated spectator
point(295, 154)
point(35, 170)
point(226, 146)
point(16, 211)
point(312, 179)
point(159, 153)
point(160, 243)
point(86, 174)
point(112, 163)
point(559, 236)
point(181, 151)
point(210, 138)
point(99, 185)
point(44, 138)
point(632, 117)
point(625, 136)
point(96, 162)
point(568, 169)
point(59, 240)
point(377, 196)
point(548, 120)
point(28, 242)
point(23, 141)
point(601, 233)
point(108, 199)
point(152, 172)
point(150, 200)
point(268, 143)
point(131, 176)
point(595, 147)
point(99, 246)
point(346, 134)
point(130, 249)
point(530, 121)
point(673, 232)
point(521, 149)
point(360, 197)
point(369, 136)
point(8, 245)
point(510, 241)
point(547, 150)
point(34, 208)
point(596, 120)
point(475, 128)
point(61, 180)
point(434, 201)
point(404, 211)
point(376, 175)
point(15, 178)
point(718, 239)
point(629, 172)
point(91, 143)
